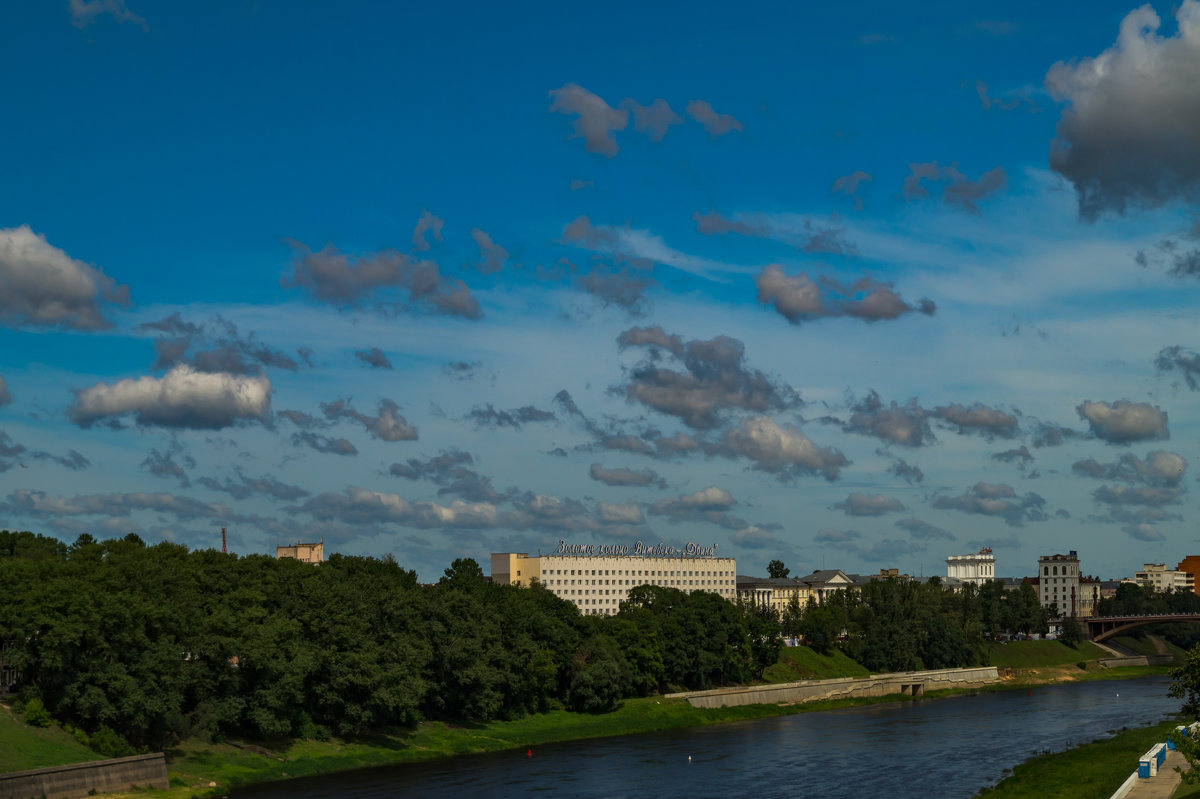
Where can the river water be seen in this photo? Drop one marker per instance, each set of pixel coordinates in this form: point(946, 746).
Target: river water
point(944, 748)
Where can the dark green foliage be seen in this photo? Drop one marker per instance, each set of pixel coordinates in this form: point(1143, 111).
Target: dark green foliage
point(139, 646)
point(1072, 633)
point(776, 569)
point(36, 714)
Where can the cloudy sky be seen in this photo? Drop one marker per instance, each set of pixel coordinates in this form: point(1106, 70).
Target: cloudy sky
point(848, 287)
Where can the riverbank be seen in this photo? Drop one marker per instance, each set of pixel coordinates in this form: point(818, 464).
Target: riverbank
point(208, 770)
point(200, 769)
point(1091, 771)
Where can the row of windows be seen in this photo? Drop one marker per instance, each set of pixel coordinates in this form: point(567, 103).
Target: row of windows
point(637, 573)
point(636, 582)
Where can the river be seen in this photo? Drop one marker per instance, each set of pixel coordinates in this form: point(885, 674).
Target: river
point(945, 748)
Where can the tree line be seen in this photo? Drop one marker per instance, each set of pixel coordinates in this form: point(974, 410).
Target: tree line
point(154, 644)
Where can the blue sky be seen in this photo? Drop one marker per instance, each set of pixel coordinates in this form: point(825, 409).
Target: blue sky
point(849, 287)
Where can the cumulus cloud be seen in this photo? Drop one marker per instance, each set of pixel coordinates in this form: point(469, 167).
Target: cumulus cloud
point(906, 425)
point(1143, 531)
point(783, 450)
point(1046, 434)
point(357, 505)
point(1124, 422)
point(487, 416)
point(958, 190)
point(595, 120)
point(39, 503)
point(14, 454)
point(451, 471)
point(798, 298)
point(163, 464)
point(999, 500)
point(244, 487)
point(1130, 133)
point(716, 124)
point(889, 550)
point(334, 277)
point(1185, 362)
point(492, 257)
point(42, 286)
point(374, 358)
point(328, 445)
point(979, 418)
point(1021, 456)
point(5, 396)
point(1151, 496)
point(715, 379)
point(428, 223)
point(858, 504)
point(626, 477)
point(754, 537)
point(924, 530)
point(654, 120)
point(908, 472)
point(215, 345)
point(387, 425)
point(835, 536)
point(622, 287)
point(183, 397)
point(85, 12)
point(709, 505)
point(814, 236)
point(849, 185)
point(1159, 468)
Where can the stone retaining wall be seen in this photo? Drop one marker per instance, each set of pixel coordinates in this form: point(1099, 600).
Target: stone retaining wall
point(910, 682)
point(82, 779)
point(1138, 660)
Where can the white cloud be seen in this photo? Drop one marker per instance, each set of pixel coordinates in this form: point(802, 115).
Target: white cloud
point(181, 398)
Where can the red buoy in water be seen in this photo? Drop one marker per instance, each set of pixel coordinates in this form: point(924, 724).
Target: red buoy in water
point(529, 753)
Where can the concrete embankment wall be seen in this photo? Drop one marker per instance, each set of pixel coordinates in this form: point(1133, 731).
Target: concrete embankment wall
point(82, 779)
point(1138, 660)
point(911, 682)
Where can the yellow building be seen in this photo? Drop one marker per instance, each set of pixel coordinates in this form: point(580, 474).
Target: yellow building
point(305, 553)
point(597, 584)
point(773, 592)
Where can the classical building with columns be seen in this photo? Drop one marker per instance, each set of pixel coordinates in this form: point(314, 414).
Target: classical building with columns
point(978, 569)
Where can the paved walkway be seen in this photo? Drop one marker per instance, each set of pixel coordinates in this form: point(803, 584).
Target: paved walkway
point(1161, 785)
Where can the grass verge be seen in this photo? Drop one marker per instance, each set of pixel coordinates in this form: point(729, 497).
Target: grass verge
point(23, 747)
point(802, 663)
point(1090, 771)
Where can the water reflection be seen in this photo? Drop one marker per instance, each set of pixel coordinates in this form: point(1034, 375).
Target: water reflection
point(945, 747)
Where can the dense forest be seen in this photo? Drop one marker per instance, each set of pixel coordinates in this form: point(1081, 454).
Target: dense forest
point(146, 645)
point(158, 643)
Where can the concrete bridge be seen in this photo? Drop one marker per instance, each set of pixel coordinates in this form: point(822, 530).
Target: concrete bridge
point(1101, 628)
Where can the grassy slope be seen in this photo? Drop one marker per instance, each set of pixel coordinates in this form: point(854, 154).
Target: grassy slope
point(1091, 771)
point(802, 663)
point(23, 747)
point(1035, 654)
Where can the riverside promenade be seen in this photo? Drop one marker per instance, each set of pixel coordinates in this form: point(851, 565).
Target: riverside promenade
point(1160, 786)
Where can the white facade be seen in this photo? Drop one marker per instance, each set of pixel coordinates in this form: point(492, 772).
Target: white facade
point(977, 569)
point(598, 584)
point(1058, 583)
point(1157, 577)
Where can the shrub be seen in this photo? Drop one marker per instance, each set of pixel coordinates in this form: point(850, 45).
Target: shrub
point(36, 714)
point(109, 743)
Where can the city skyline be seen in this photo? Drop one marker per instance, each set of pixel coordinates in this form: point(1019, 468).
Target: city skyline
point(850, 289)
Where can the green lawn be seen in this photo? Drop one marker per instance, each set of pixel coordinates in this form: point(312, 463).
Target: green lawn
point(23, 747)
point(1032, 654)
point(802, 663)
point(1091, 771)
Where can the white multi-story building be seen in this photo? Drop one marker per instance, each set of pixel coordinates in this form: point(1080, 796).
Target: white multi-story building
point(977, 569)
point(1157, 577)
point(1061, 589)
point(598, 583)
